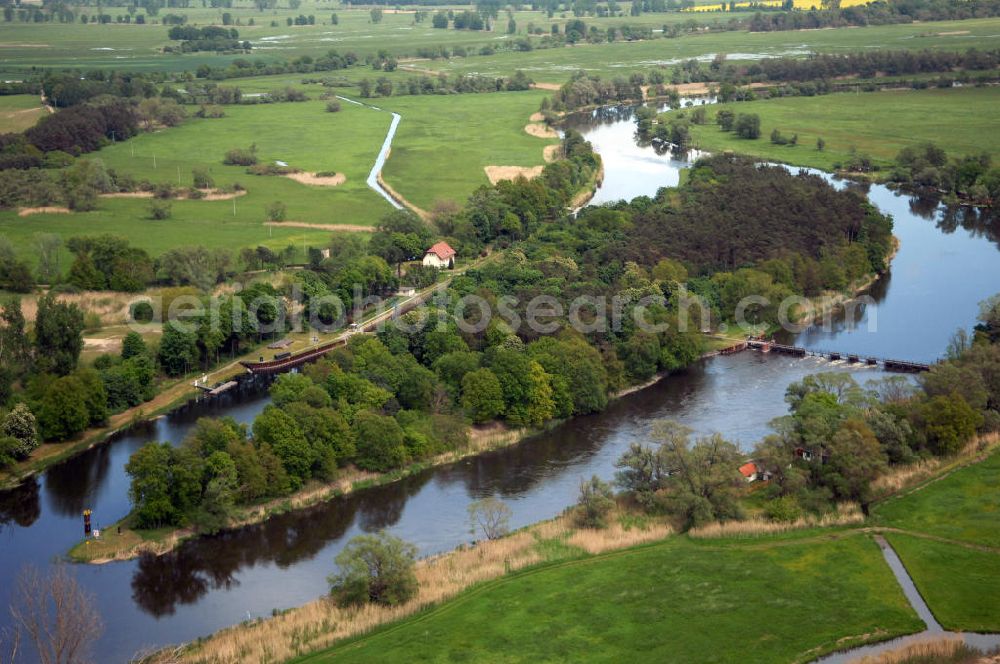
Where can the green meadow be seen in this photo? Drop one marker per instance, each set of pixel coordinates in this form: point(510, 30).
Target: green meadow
point(954, 118)
point(677, 600)
point(964, 506)
point(301, 134)
point(444, 142)
point(960, 584)
point(958, 574)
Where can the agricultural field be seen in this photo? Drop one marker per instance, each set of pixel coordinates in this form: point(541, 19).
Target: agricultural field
point(953, 118)
point(18, 112)
point(677, 600)
point(432, 160)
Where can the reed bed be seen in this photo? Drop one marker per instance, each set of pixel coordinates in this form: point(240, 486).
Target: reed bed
point(946, 650)
point(617, 536)
point(846, 514)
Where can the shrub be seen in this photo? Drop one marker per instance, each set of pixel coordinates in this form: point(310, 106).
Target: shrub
point(240, 157)
point(159, 209)
point(201, 177)
point(333, 106)
point(375, 569)
point(276, 211)
point(594, 504)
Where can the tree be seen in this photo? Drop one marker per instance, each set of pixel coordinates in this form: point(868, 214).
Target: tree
point(21, 426)
point(375, 569)
point(150, 487)
point(748, 125)
point(376, 14)
point(379, 442)
point(283, 433)
point(491, 515)
point(62, 412)
point(595, 502)
point(482, 395)
point(702, 478)
point(178, 351)
point(133, 346)
point(820, 144)
point(57, 614)
point(15, 349)
point(400, 236)
point(58, 335)
point(948, 422)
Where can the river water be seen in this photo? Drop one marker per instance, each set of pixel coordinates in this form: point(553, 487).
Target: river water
point(947, 263)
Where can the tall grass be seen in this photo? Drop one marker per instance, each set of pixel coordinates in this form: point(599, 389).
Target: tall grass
point(936, 651)
point(846, 514)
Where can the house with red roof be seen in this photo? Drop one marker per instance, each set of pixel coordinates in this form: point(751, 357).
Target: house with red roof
point(441, 256)
point(749, 471)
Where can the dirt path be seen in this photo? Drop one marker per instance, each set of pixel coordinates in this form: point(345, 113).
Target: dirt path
point(45, 209)
point(540, 130)
point(318, 180)
point(336, 228)
point(498, 173)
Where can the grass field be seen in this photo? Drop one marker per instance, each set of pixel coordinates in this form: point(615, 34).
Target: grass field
point(876, 123)
point(959, 584)
point(963, 506)
point(673, 601)
point(18, 112)
point(443, 143)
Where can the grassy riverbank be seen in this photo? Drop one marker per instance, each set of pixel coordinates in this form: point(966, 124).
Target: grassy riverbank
point(892, 119)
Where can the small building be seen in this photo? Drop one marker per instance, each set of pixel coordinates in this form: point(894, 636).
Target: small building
point(441, 256)
point(749, 471)
point(407, 291)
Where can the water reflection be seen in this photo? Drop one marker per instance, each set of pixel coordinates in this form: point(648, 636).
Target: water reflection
point(20, 506)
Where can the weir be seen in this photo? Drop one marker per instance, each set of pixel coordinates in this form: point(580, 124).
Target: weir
point(902, 366)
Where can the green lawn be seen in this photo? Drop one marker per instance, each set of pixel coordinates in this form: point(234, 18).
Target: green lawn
point(963, 506)
point(443, 143)
point(876, 123)
point(672, 601)
point(18, 112)
point(961, 585)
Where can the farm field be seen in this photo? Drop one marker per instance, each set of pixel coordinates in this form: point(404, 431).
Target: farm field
point(677, 600)
point(953, 118)
point(443, 142)
point(18, 112)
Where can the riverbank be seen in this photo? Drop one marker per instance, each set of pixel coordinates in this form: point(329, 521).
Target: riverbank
point(120, 541)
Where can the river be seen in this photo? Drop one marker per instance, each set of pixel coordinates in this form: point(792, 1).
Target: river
point(946, 264)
